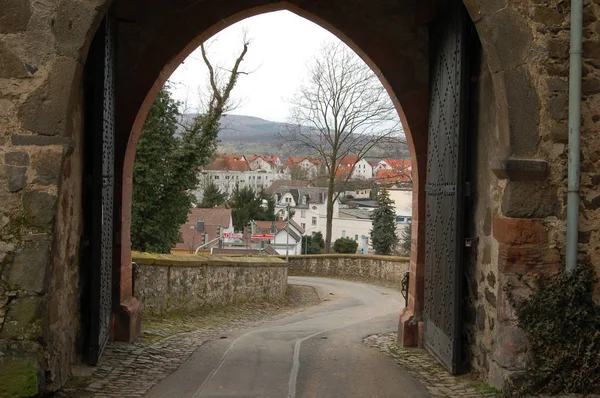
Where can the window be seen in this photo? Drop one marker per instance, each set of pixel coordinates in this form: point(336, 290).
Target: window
point(258, 178)
point(314, 221)
point(227, 177)
point(288, 200)
point(343, 233)
point(302, 213)
point(303, 226)
point(216, 177)
point(355, 237)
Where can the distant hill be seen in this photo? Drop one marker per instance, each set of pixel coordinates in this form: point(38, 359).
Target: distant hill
point(253, 135)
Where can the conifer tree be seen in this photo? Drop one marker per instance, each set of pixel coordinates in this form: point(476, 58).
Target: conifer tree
point(246, 205)
point(383, 234)
point(160, 202)
point(212, 195)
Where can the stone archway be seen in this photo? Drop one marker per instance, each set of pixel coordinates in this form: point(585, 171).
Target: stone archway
point(408, 89)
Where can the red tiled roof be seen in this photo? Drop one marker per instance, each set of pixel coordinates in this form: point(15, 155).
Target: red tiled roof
point(266, 158)
point(235, 162)
point(398, 164)
point(264, 227)
point(293, 160)
point(348, 160)
point(213, 218)
point(342, 171)
point(393, 176)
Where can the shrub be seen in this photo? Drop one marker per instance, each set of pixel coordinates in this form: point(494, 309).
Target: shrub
point(345, 245)
point(562, 324)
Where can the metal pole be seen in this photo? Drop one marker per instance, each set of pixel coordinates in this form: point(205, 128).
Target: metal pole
point(574, 134)
point(287, 236)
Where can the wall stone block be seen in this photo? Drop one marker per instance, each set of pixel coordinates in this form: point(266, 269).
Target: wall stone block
point(39, 140)
point(548, 16)
point(511, 347)
point(16, 14)
point(45, 110)
point(518, 231)
point(12, 66)
point(528, 199)
point(17, 178)
point(20, 159)
point(23, 320)
point(28, 268)
point(524, 113)
point(527, 259)
point(47, 166)
point(39, 208)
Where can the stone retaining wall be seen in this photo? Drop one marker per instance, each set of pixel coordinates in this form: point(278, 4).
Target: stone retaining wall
point(350, 266)
point(184, 283)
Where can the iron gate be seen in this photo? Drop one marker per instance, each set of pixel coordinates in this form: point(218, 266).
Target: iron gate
point(445, 182)
point(102, 57)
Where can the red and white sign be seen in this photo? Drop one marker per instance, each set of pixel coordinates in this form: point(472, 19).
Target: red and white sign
point(263, 237)
point(231, 235)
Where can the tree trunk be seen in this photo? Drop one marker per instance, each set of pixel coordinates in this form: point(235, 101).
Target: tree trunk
point(329, 226)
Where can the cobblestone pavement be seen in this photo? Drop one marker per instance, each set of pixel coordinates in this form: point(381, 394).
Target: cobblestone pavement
point(130, 370)
point(428, 371)
point(423, 367)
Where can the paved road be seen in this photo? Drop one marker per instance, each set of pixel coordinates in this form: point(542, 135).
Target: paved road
point(317, 353)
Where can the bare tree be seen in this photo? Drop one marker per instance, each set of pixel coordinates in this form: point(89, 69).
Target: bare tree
point(199, 133)
point(342, 110)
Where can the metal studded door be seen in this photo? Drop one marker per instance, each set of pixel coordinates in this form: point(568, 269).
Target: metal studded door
point(102, 143)
point(445, 182)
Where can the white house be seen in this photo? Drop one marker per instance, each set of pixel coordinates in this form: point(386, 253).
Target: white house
point(308, 166)
point(362, 168)
point(355, 224)
point(264, 163)
point(308, 205)
point(288, 238)
point(227, 170)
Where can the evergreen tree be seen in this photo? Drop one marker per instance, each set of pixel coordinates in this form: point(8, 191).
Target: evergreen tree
point(246, 205)
point(345, 245)
point(406, 239)
point(212, 195)
point(160, 202)
point(314, 244)
point(383, 234)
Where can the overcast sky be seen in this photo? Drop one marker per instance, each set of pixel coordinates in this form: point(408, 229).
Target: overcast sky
point(282, 45)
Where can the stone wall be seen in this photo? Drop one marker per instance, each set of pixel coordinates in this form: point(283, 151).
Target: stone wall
point(386, 269)
point(519, 212)
point(184, 283)
point(42, 47)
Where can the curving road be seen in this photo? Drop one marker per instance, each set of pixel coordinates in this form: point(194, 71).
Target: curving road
point(315, 353)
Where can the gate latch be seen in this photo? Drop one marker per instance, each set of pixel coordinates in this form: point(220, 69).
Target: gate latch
point(469, 242)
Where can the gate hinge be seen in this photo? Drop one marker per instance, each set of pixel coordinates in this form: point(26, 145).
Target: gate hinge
point(469, 242)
